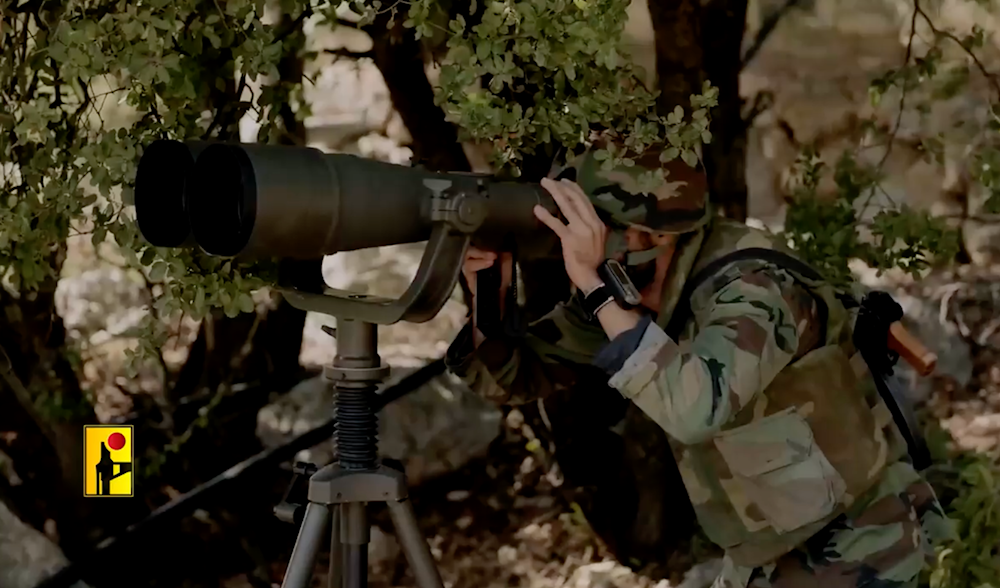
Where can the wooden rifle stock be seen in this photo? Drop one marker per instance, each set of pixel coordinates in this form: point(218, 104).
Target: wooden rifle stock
point(922, 359)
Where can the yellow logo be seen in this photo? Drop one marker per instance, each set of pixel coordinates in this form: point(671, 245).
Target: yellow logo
point(109, 459)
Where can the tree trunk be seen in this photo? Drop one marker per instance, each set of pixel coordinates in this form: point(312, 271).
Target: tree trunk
point(725, 157)
point(399, 58)
point(43, 408)
point(680, 61)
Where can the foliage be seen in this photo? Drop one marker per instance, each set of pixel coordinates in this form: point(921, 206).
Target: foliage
point(968, 485)
point(832, 228)
point(829, 232)
point(68, 172)
point(531, 76)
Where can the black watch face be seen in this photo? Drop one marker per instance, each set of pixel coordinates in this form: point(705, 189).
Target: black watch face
point(628, 290)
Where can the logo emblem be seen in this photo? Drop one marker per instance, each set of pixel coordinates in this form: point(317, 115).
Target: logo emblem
point(109, 459)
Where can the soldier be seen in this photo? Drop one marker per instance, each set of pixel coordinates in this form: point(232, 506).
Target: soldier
point(789, 456)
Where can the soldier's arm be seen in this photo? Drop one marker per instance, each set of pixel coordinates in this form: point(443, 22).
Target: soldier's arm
point(741, 336)
point(557, 349)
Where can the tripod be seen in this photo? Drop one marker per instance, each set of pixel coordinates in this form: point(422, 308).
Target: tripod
point(339, 493)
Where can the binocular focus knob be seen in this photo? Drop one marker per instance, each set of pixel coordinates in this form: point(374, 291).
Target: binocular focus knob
point(471, 211)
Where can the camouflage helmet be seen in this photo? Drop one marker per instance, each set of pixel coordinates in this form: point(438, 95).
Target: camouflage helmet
point(678, 205)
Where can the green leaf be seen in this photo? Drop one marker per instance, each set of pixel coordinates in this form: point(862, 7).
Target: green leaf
point(245, 302)
point(689, 157)
point(158, 271)
point(484, 49)
point(199, 299)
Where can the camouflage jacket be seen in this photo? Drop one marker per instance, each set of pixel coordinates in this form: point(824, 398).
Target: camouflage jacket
point(774, 426)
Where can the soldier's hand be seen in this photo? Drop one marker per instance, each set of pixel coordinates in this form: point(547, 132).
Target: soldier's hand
point(583, 235)
point(477, 259)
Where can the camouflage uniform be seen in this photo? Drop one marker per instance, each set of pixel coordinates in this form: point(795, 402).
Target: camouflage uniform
point(788, 455)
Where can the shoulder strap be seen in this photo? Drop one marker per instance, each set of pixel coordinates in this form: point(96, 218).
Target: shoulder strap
point(683, 310)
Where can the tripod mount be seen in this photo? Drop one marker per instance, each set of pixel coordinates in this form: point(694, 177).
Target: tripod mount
point(338, 493)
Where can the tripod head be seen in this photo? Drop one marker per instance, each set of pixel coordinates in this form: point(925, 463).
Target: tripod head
point(457, 214)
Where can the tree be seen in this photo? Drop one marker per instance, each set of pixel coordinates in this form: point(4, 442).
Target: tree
point(532, 77)
point(67, 175)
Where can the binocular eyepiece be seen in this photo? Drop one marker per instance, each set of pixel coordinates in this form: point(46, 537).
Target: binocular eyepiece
point(263, 201)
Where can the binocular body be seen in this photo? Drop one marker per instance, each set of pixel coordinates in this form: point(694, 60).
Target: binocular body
point(287, 202)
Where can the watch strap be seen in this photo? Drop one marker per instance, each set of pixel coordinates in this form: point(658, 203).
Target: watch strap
point(596, 299)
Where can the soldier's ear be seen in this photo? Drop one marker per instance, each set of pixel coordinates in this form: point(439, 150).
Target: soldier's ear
point(662, 238)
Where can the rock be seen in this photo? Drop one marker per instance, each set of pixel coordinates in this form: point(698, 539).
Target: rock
point(981, 233)
point(702, 575)
point(26, 556)
point(602, 574)
point(432, 431)
point(382, 548)
point(100, 303)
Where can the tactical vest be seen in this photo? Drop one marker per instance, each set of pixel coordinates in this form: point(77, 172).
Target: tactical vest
point(810, 446)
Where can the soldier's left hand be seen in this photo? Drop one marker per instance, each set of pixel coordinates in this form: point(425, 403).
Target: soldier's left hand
point(583, 235)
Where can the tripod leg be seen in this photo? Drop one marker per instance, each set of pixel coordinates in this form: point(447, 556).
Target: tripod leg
point(335, 578)
point(354, 538)
point(414, 545)
point(307, 544)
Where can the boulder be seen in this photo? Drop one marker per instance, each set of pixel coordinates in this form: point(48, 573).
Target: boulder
point(26, 556)
point(434, 430)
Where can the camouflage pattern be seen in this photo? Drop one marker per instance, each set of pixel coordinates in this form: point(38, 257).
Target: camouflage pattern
point(677, 203)
point(779, 428)
point(884, 541)
point(776, 427)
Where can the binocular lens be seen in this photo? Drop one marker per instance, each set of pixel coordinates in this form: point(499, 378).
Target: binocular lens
point(160, 183)
point(223, 199)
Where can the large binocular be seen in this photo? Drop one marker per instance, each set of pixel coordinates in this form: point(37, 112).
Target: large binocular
point(261, 201)
point(254, 201)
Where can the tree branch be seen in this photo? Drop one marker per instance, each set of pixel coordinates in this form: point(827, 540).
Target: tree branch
point(766, 28)
point(399, 58)
point(287, 28)
point(343, 52)
point(902, 105)
point(762, 101)
point(32, 6)
point(917, 10)
point(346, 23)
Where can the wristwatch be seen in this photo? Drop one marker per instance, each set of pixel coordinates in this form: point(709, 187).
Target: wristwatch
point(615, 287)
